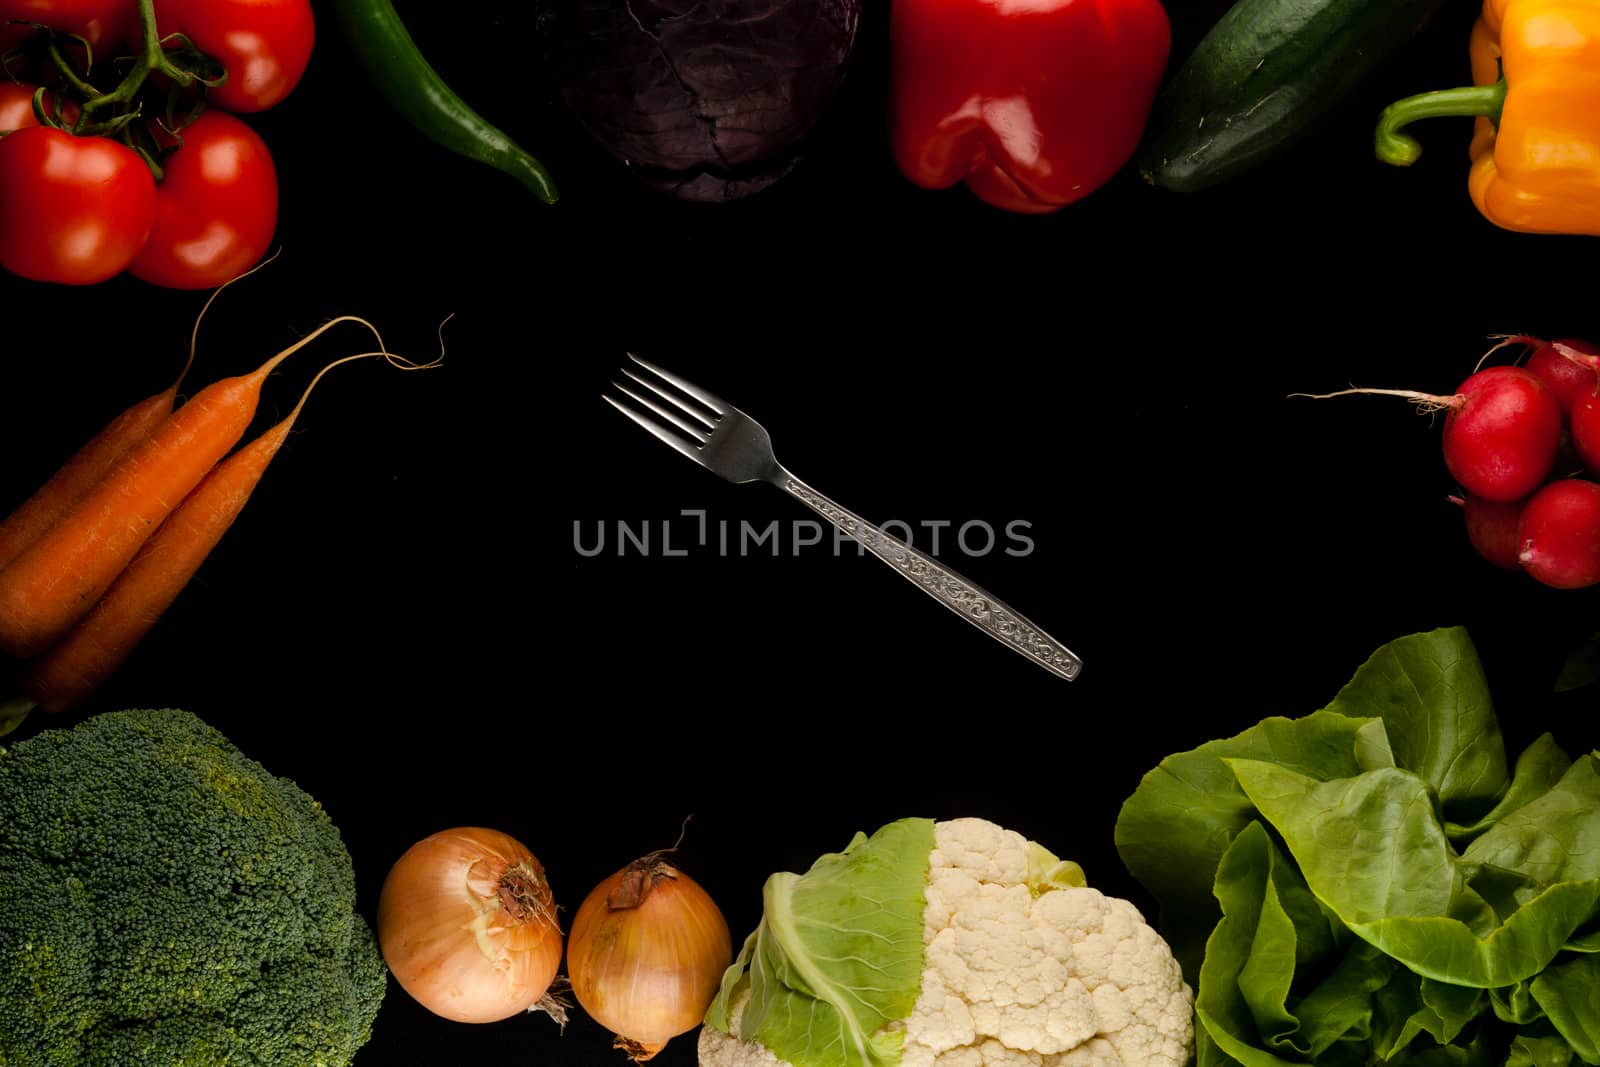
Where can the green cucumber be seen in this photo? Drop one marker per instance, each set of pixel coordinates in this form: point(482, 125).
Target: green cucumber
point(1267, 71)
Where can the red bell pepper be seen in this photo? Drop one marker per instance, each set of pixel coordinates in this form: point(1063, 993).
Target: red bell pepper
point(1036, 103)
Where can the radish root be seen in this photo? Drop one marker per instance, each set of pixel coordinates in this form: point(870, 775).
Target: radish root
point(1427, 403)
point(1507, 339)
point(1582, 359)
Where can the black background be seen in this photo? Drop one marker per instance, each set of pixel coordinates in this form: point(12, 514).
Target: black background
point(400, 620)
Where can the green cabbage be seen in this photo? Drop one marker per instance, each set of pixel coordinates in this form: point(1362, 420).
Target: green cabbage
point(838, 954)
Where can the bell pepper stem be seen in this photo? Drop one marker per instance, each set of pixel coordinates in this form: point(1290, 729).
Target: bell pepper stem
point(1401, 149)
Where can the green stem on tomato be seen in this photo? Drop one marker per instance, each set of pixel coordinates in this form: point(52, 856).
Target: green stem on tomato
point(152, 58)
point(64, 68)
point(156, 170)
point(40, 115)
point(1401, 149)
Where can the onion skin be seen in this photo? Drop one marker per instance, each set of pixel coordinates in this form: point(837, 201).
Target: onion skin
point(467, 925)
point(646, 955)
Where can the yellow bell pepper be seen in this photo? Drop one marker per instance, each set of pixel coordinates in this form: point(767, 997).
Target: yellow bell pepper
point(1536, 150)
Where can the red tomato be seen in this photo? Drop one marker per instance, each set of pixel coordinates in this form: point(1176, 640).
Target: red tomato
point(75, 210)
point(16, 106)
point(100, 22)
point(216, 209)
point(263, 45)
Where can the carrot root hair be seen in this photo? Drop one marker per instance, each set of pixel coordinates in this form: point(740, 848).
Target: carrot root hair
point(194, 332)
point(399, 362)
point(272, 364)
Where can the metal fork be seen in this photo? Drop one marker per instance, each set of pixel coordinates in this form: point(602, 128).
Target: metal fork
point(727, 442)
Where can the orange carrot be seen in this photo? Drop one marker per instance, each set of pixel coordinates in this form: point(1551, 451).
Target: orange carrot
point(94, 460)
point(55, 581)
point(70, 670)
point(86, 467)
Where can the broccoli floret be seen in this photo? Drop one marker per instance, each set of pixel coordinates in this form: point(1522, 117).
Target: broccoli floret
point(166, 901)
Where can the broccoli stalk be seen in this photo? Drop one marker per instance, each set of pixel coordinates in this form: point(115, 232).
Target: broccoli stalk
point(167, 902)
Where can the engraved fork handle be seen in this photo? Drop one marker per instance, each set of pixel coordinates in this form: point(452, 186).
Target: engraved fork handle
point(972, 603)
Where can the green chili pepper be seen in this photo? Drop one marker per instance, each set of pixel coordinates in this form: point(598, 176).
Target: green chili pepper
point(404, 78)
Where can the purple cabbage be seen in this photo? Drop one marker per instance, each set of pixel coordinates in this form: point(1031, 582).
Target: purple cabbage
point(707, 99)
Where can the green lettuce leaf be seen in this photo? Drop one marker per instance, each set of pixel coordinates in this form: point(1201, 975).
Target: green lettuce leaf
point(1382, 890)
point(1420, 703)
point(1515, 1004)
point(1409, 1007)
point(1271, 932)
point(1584, 941)
point(1173, 831)
point(1250, 956)
point(1540, 1048)
point(1395, 1007)
point(1569, 993)
point(1341, 1008)
point(1539, 768)
point(815, 999)
point(1433, 698)
point(1450, 1008)
point(1372, 849)
point(1552, 839)
point(1476, 1054)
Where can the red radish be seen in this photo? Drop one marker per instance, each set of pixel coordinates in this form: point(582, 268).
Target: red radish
point(1586, 407)
point(1492, 529)
point(1560, 534)
point(1501, 431)
point(1569, 379)
point(1568, 463)
point(1583, 353)
point(1585, 416)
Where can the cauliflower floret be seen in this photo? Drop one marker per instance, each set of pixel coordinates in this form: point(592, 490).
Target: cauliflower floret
point(1014, 977)
point(1066, 978)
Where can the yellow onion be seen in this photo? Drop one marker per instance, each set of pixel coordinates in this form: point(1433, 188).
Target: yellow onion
point(468, 927)
point(646, 954)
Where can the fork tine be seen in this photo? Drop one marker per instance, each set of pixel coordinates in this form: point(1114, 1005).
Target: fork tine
point(710, 400)
point(705, 423)
point(676, 418)
point(661, 435)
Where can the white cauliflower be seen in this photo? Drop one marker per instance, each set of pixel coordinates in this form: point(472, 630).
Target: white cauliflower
point(1023, 966)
